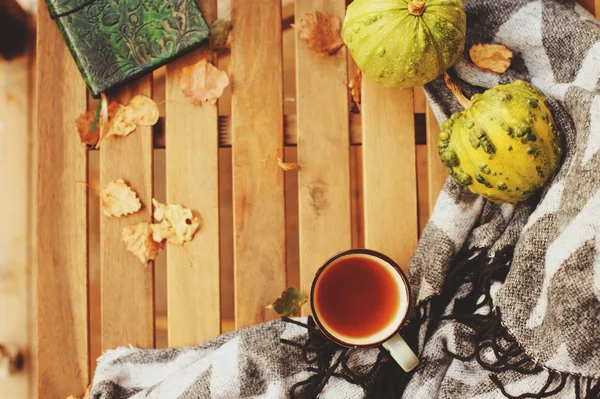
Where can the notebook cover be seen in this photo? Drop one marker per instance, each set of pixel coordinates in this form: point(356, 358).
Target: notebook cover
point(116, 41)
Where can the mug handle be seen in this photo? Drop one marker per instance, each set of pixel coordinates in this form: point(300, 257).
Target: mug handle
point(401, 353)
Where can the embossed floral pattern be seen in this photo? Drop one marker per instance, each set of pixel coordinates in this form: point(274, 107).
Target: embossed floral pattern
point(114, 41)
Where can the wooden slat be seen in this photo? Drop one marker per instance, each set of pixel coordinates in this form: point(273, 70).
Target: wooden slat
point(193, 181)
point(437, 172)
point(420, 101)
point(62, 307)
point(127, 286)
point(258, 190)
point(323, 149)
point(15, 272)
point(389, 165)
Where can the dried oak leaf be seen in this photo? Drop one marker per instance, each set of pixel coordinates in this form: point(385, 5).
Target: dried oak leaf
point(491, 57)
point(203, 82)
point(141, 111)
point(138, 239)
point(289, 303)
point(322, 31)
point(354, 86)
point(286, 166)
point(176, 224)
point(119, 199)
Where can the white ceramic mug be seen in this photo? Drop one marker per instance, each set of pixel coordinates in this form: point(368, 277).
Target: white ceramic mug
point(360, 299)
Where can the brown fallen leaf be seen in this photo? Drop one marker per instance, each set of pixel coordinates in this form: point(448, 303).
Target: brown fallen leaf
point(84, 127)
point(203, 82)
point(176, 224)
point(286, 166)
point(322, 31)
point(119, 199)
point(491, 57)
point(85, 122)
point(141, 111)
point(354, 87)
point(138, 239)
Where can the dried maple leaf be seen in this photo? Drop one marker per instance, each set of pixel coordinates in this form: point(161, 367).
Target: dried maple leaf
point(289, 303)
point(141, 111)
point(322, 32)
point(286, 166)
point(354, 86)
point(119, 199)
point(138, 239)
point(203, 82)
point(491, 57)
point(176, 224)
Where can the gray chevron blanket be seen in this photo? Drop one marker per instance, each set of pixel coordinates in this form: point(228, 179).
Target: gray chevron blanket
point(508, 297)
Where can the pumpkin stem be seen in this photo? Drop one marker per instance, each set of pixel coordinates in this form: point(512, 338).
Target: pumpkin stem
point(417, 7)
point(462, 99)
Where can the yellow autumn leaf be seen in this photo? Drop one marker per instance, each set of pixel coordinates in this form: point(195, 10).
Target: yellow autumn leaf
point(491, 57)
point(203, 82)
point(141, 111)
point(118, 199)
point(176, 224)
point(322, 32)
point(138, 239)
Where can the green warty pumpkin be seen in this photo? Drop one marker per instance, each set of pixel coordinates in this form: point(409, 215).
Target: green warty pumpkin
point(402, 43)
point(505, 145)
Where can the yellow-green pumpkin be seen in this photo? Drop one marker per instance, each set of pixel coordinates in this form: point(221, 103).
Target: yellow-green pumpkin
point(505, 145)
point(405, 43)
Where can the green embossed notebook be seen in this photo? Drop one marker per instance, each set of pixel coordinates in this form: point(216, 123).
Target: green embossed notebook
point(115, 41)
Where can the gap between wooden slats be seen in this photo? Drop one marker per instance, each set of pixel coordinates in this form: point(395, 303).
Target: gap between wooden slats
point(192, 164)
point(389, 171)
point(127, 289)
point(323, 149)
point(62, 268)
point(258, 184)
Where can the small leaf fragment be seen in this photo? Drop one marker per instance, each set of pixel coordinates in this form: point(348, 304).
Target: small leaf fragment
point(176, 224)
point(286, 166)
point(322, 31)
point(491, 57)
point(141, 111)
point(86, 396)
point(220, 34)
point(289, 303)
point(355, 86)
point(203, 82)
point(138, 239)
point(118, 199)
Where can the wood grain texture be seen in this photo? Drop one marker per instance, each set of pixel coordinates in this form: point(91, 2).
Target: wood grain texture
point(192, 165)
point(323, 149)
point(437, 172)
point(15, 266)
point(62, 306)
point(389, 171)
point(258, 185)
point(127, 289)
